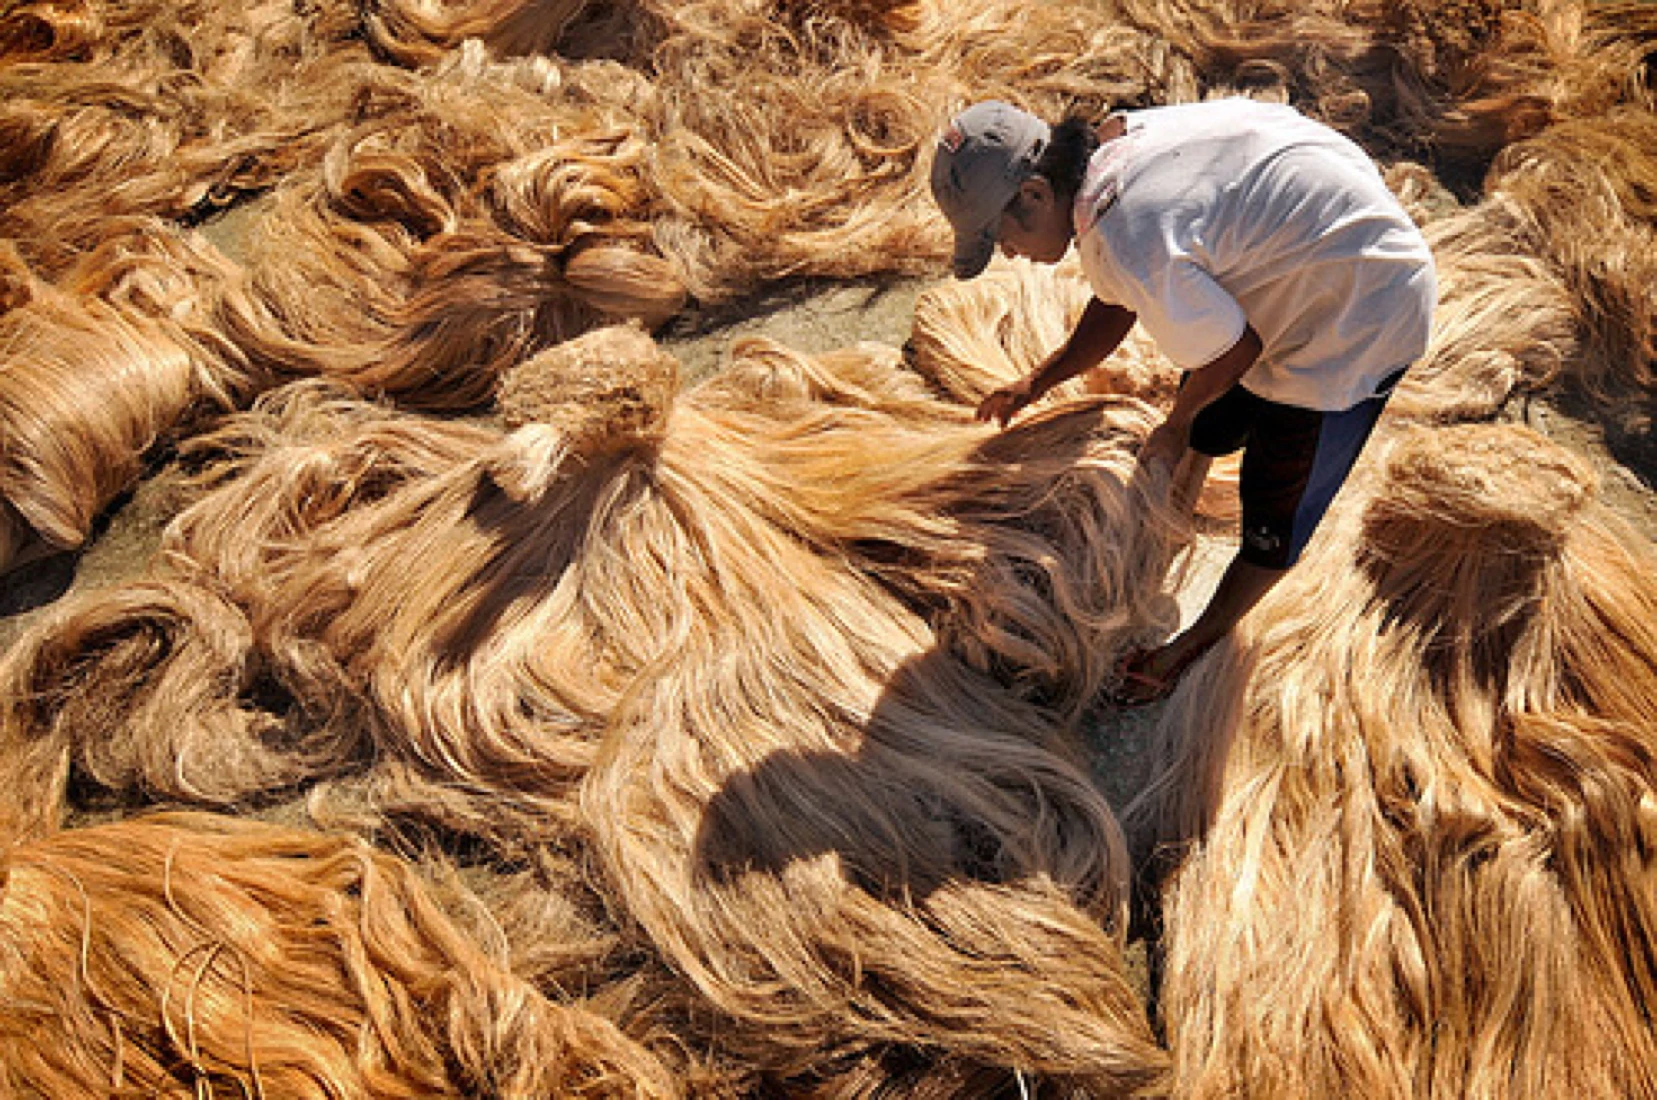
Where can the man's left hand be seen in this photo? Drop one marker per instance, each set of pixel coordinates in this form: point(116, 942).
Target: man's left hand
point(1165, 446)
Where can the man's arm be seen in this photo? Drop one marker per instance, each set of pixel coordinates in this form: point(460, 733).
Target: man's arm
point(1202, 388)
point(1100, 331)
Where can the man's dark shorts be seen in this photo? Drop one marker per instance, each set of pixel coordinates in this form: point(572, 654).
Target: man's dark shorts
point(1294, 462)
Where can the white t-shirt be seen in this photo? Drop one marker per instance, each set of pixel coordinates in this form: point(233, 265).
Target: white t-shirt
point(1205, 216)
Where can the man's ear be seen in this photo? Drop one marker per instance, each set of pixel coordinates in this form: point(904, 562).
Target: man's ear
point(1036, 190)
point(1034, 195)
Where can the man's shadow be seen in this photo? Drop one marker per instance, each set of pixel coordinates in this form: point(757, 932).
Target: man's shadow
point(963, 774)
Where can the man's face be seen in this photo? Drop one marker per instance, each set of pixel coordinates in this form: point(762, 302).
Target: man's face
point(1035, 225)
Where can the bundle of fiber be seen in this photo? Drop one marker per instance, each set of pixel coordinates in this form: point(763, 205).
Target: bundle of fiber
point(48, 32)
point(471, 219)
point(1052, 58)
point(1444, 748)
point(182, 955)
point(850, 843)
point(146, 335)
point(303, 456)
point(888, 913)
point(1584, 190)
point(770, 176)
point(165, 109)
point(179, 282)
point(795, 139)
point(1505, 323)
point(1036, 555)
point(1603, 67)
point(477, 601)
point(85, 390)
point(419, 32)
point(549, 921)
point(971, 337)
point(546, 561)
point(608, 390)
point(1453, 83)
point(68, 165)
point(149, 691)
point(767, 378)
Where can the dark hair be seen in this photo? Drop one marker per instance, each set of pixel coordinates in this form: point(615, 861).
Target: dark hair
point(1064, 162)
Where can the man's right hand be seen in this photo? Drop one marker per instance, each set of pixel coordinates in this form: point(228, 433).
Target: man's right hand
point(1098, 332)
point(1006, 402)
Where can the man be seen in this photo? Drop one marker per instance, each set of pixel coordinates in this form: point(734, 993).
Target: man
point(1263, 253)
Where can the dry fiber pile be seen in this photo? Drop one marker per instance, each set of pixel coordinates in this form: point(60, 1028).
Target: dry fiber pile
point(642, 735)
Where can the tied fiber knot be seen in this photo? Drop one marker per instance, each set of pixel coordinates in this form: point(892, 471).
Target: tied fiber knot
point(605, 392)
point(1478, 489)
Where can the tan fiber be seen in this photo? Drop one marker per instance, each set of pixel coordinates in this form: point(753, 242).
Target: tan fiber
point(795, 140)
point(601, 390)
point(1586, 192)
point(415, 32)
point(1406, 77)
point(84, 391)
point(1442, 749)
point(183, 955)
point(468, 221)
point(1506, 324)
point(145, 336)
point(146, 691)
point(832, 892)
point(46, 32)
point(529, 627)
point(149, 108)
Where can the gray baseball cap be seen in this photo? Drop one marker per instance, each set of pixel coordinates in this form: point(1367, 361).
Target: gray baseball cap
point(983, 155)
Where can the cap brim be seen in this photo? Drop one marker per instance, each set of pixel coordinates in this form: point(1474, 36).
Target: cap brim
point(973, 253)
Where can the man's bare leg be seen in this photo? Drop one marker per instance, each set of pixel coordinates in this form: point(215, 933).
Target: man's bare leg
point(1243, 585)
point(1188, 479)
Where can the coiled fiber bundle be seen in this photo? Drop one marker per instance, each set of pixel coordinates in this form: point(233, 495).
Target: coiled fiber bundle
point(1584, 194)
point(145, 690)
point(1505, 324)
point(85, 390)
point(144, 336)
